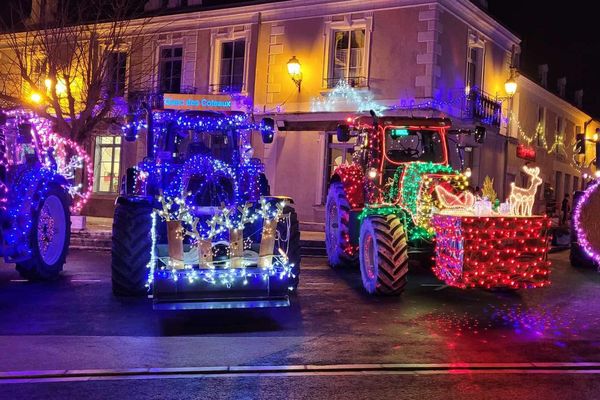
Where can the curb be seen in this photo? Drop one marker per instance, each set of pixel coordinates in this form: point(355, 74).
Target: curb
point(291, 369)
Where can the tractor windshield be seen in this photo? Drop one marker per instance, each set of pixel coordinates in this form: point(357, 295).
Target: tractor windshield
point(184, 143)
point(408, 145)
point(217, 144)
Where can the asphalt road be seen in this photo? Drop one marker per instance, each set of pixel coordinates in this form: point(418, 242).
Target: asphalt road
point(76, 324)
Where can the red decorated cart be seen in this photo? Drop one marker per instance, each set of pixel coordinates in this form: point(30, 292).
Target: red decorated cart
point(492, 251)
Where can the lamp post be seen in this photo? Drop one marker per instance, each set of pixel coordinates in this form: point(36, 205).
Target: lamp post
point(295, 71)
point(510, 88)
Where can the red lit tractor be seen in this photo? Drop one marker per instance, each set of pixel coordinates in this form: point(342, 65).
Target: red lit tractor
point(379, 206)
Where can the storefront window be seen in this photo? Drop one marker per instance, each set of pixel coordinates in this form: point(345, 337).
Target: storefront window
point(107, 158)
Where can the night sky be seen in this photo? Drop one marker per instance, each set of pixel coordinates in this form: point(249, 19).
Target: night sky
point(566, 38)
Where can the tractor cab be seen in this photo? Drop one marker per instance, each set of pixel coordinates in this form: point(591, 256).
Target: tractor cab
point(212, 134)
point(386, 143)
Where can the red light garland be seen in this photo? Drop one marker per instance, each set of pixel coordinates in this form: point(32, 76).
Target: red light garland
point(492, 251)
point(352, 178)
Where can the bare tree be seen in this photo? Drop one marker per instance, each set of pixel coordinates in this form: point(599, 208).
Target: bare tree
point(69, 60)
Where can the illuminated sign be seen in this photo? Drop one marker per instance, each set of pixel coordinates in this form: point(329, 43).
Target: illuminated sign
point(197, 102)
point(526, 152)
point(398, 132)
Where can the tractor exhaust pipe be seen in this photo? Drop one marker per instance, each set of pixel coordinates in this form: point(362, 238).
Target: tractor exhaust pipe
point(149, 130)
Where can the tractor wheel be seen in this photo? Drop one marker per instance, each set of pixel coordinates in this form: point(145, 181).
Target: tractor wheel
point(340, 250)
point(49, 237)
point(383, 255)
point(131, 247)
point(578, 257)
point(263, 183)
point(290, 234)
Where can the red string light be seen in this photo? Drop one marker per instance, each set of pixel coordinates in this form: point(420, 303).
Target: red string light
point(353, 180)
point(492, 251)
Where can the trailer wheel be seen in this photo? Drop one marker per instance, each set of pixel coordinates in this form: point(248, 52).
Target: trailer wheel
point(340, 250)
point(383, 255)
point(131, 247)
point(290, 236)
point(49, 237)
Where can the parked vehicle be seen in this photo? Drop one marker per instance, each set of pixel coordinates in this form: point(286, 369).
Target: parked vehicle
point(34, 201)
point(379, 206)
point(201, 161)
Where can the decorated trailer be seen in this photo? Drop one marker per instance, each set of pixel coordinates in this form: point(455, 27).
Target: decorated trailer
point(195, 225)
point(35, 196)
point(399, 194)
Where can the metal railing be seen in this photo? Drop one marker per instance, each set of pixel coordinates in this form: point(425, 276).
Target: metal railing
point(483, 108)
point(153, 97)
point(352, 81)
point(226, 89)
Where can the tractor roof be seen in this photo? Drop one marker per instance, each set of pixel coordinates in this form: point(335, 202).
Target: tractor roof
point(201, 114)
point(404, 121)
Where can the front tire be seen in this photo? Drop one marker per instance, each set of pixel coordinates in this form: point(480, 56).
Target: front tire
point(49, 237)
point(383, 255)
point(340, 250)
point(131, 247)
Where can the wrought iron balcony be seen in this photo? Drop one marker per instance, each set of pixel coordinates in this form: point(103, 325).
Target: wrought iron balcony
point(482, 107)
point(226, 89)
point(352, 81)
point(152, 97)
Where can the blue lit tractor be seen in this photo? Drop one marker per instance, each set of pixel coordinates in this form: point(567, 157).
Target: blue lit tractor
point(195, 225)
point(34, 201)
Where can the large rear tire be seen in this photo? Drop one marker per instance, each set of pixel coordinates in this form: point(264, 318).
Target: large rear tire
point(131, 247)
point(49, 237)
point(383, 255)
point(340, 250)
point(292, 237)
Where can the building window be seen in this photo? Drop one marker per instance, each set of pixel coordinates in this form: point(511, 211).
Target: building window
point(539, 128)
point(170, 63)
point(348, 57)
point(575, 184)
point(232, 65)
point(116, 73)
point(558, 180)
point(567, 185)
point(474, 67)
point(107, 159)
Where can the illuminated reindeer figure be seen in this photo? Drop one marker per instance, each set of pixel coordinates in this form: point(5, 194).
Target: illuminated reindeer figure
point(521, 199)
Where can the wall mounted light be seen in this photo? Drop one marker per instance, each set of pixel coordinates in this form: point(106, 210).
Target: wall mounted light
point(510, 86)
point(295, 71)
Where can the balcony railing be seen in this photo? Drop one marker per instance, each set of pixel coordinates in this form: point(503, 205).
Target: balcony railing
point(352, 81)
point(483, 107)
point(153, 98)
point(226, 89)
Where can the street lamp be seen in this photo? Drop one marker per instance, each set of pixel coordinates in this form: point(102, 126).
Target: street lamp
point(35, 97)
point(510, 87)
point(295, 71)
